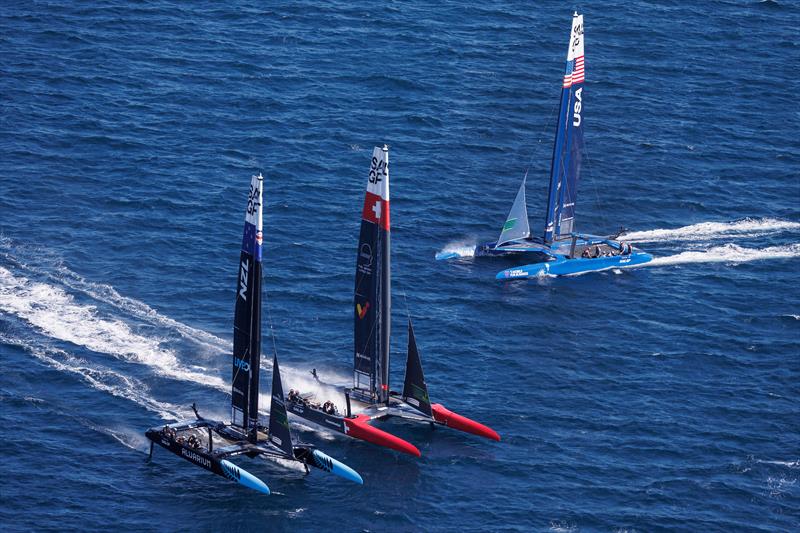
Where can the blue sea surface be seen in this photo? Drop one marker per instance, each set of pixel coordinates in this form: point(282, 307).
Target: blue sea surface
point(660, 398)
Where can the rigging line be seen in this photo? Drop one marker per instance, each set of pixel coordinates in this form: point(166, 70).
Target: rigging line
point(546, 126)
point(603, 219)
point(265, 301)
point(405, 301)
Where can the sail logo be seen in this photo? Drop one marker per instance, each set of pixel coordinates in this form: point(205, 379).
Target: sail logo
point(576, 116)
point(362, 311)
point(366, 253)
point(243, 280)
point(241, 364)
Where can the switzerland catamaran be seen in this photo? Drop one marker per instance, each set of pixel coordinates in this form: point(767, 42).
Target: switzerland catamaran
point(371, 398)
point(210, 443)
point(561, 251)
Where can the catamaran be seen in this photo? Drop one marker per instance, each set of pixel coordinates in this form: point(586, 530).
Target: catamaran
point(209, 443)
point(561, 250)
point(371, 397)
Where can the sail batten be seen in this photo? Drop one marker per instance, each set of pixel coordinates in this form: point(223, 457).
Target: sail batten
point(247, 317)
point(372, 295)
point(568, 146)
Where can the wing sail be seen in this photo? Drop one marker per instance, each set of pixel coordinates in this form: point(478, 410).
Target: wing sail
point(565, 169)
point(247, 317)
point(372, 295)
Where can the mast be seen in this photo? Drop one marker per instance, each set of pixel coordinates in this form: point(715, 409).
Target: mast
point(568, 146)
point(372, 295)
point(247, 318)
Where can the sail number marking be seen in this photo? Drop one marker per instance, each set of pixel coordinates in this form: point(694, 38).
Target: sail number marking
point(377, 170)
point(243, 280)
point(576, 115)
point(252, 201)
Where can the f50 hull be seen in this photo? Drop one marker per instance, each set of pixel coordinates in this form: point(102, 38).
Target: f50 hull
point(563, 266)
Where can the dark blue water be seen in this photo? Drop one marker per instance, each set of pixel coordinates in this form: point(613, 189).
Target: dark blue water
point(661, 398)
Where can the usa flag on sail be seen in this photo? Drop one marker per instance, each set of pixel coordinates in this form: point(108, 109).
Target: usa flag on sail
point(574, 71)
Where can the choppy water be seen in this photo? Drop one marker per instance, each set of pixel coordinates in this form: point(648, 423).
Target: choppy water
point(660, 398)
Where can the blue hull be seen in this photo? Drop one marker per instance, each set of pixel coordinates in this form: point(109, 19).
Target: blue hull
point(561, 266)
point(326, 462)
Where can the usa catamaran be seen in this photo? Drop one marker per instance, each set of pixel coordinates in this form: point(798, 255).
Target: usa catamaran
point(561, 250)
point(371, 397)
point(210, 443)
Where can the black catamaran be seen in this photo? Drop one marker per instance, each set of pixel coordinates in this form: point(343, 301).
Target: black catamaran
point(210, 443)
point(371, 397)
point(561, 250)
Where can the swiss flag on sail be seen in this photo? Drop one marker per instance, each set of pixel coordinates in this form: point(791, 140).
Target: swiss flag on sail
point(376, 210)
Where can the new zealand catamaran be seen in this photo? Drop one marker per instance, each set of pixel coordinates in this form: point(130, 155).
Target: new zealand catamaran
point(210, 443)
point(371, 397)
point(561, 251)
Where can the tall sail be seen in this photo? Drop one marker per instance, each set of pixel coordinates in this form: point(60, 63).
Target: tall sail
point(415, 390)
point(279, 433)
point(372, 299)
point(516, 226)
point(568, 148)
point(247, 317)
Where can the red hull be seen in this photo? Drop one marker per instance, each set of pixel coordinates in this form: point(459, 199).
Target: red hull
point(456, 421)
point(359, 428)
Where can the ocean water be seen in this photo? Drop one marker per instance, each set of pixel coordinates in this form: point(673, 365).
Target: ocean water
point(659, 398)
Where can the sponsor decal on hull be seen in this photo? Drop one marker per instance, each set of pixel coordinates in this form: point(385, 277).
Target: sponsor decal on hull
point(196, 458)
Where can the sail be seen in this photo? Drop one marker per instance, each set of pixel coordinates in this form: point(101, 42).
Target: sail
point(372, 295)
point(516, 226)
point(279, 433)
point(415, 391)
point(247, 317)
point(568, 147)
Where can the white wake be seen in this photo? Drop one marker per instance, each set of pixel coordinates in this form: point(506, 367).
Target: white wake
point(730, 254)
point(457, 249)
point(56, 314)
point(100, 378)
point(745, 228)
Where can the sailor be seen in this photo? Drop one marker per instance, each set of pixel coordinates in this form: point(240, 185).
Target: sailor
point(586, 254)
point(328, 407)
point(596, 251)
point(624, 249)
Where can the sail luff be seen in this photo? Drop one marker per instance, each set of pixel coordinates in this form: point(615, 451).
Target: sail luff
point(386, 291)
point(247, 317)
point(372, 294)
